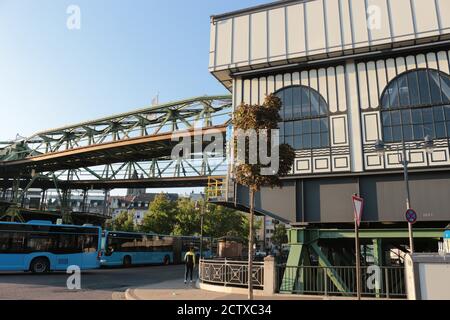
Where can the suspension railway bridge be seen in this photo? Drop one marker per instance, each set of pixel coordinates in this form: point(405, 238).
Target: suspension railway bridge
point(129, 150)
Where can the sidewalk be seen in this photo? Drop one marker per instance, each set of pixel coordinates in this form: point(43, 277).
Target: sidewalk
point(177, 290)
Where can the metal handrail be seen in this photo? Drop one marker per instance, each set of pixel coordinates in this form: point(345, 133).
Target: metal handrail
point(341, 280)
point(230, 273)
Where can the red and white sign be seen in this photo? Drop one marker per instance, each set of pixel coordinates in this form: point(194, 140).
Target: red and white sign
point(358, 206)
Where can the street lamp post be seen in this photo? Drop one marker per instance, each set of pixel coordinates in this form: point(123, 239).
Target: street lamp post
point(202, 215)
point(380, 148)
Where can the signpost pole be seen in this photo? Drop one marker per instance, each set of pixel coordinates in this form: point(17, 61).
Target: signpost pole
point(408, 197)
point(358, 262)
point(358, 205)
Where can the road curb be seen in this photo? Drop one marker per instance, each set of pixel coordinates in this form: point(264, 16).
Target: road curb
point(129, 295)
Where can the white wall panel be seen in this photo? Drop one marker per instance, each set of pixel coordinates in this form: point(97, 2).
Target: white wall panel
point(359, 18)
point(443, 62)
point(402, 20)
point(390, 69)
point(295, 31)
point(431, 61)
point(296, 78)
point(212, 45)
point(425, 17)
point(341, 88)
point(238, 91)
point(258, 36)
point(363, 90)
point(323, 90)
point(380, 30)
point(278, 82)
point(277, 40)
point(224, 41)
point(381, 74)
point(262, 89)
point(255, 91)
point(346, 25)
point(421, 61)
point(373, 85)
point(270, 84)
point(371, 127)
point(333, 24)
point(444, 9)
point(354, 121)
point(247, 91)
point(339, 130)
point(241, 36)
point(287, 79)
point(313, 81)
point(401, 65)
point(315, 26)
point(332, 93)
point(304, 76)
point(411, 62)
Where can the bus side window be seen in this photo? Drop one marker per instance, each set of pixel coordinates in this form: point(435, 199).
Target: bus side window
point(12, 242)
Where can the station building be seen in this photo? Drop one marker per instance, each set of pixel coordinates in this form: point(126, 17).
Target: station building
point(350, 73)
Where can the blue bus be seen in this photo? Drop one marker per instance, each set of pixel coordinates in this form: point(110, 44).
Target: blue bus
point(40, 247)
point(126, 249)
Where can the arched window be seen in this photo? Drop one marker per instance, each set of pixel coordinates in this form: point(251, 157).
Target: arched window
point(305, 118)
point(416, 104)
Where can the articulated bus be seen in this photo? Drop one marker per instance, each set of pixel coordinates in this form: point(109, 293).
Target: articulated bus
point(39, 247)
point(126, 249)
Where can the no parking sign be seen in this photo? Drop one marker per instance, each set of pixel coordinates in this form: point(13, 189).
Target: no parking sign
point(411, 216)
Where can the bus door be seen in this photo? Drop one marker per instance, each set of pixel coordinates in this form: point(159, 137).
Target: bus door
point(12, 250)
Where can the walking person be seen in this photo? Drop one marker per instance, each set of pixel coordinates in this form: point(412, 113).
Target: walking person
point(189, 260)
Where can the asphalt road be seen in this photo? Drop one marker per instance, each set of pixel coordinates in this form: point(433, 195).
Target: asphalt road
point(102, 284)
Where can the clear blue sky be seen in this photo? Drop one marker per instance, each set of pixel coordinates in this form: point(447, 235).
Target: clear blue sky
point(125, 52)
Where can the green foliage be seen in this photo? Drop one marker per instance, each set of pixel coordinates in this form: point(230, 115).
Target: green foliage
point(161, 216)
point(123, 222)
point(183, 218)
point(257, 224)
point(221, 221)
point(258, 118)
point(279, 235)
point(187, 218)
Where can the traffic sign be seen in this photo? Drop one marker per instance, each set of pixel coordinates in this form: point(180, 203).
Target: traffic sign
point(411, 216)
point(358, 206)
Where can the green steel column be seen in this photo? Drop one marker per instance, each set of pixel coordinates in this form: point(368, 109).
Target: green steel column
point(378, 252)
point(330, 270)
point(295, 240)
point(294, 275)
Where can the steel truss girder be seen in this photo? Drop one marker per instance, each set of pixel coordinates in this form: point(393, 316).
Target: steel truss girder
point(177, 116)
point(155, 168)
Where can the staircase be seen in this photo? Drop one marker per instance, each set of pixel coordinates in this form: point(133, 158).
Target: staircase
point(220, 190)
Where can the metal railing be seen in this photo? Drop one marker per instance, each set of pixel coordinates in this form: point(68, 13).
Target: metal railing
point(216, 188)
point(231, 273)
point(377, 282)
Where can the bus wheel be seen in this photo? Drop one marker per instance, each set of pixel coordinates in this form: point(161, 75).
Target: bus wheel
point(127, 261)
point(166, 260)
point(40, 265)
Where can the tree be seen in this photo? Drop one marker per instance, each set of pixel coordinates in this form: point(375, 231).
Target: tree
point(262, 119)
point(221, 221)
point(123, 222)
point(279, 235)
point(187, 218)
point(161, 216)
